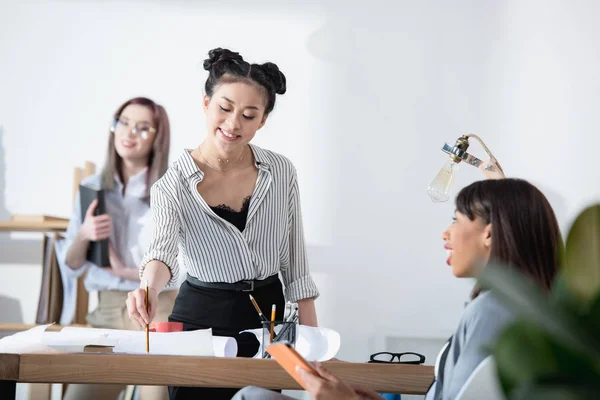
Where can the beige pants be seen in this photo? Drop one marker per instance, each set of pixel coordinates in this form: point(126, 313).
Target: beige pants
point(112, 313)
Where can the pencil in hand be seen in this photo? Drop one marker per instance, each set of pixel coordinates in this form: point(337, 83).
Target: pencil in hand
point(260, 314)
point(272, 323)
point(147, 309)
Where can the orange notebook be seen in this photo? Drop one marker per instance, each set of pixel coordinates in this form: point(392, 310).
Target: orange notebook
point(289, 358)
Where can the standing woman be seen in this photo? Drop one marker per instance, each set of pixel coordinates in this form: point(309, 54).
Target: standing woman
point(138, 150)
point(231, 211)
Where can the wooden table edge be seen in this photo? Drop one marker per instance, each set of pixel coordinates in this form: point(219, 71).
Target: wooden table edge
point(200, 371)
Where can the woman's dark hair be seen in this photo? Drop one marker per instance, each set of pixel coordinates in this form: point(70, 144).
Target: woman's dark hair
point(158, 161)
point(226, 66)
point(525, 233)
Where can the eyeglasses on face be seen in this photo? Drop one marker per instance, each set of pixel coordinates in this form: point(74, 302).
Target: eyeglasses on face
point(385, 357)
point(141, 129)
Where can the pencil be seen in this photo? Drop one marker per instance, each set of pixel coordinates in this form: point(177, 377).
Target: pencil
point(260, 314)
point(272, 323)
point(147, 328)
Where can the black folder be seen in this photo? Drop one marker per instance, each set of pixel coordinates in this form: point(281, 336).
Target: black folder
point(97, 251)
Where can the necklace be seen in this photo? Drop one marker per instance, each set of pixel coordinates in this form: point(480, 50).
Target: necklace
point(220, 160)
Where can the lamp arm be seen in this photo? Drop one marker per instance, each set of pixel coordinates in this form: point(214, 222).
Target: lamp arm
point(487, 150)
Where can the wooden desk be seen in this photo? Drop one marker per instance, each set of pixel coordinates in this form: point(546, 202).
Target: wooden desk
point(195, 371)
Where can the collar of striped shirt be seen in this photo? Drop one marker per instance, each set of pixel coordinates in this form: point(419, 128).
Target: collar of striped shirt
point(191, 169)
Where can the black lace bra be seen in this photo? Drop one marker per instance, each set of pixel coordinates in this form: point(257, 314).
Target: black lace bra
point(237, 218)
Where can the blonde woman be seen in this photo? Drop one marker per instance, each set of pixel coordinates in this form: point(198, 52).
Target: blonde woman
point(138, 149)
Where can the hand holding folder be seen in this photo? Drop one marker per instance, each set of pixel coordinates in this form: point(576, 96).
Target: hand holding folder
point(291, 361)
point(316, 380)
point(96, 224)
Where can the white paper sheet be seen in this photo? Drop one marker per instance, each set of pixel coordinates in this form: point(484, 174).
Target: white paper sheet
point(26, 341)
point(191, 343)
point(224, 346)
point(314, 344)
point(92, 333)
point(75, 344)
point(75, 339)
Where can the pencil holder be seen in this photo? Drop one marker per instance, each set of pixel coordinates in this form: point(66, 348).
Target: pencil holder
point(283, 331)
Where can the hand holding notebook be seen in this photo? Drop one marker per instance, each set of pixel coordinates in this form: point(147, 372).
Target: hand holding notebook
point(316, 380)
point(291, 361)
point(96, 224)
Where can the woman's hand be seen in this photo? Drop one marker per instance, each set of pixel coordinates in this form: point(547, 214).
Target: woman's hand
point(136, 306)
point(156, 274)
point(367, 394)
point(326, 386)
point(491, 170)
point(95, 227)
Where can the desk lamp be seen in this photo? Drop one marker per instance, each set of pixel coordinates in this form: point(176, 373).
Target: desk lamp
point(443, 182)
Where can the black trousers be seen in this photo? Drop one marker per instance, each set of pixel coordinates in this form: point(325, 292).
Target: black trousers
point(227, 313)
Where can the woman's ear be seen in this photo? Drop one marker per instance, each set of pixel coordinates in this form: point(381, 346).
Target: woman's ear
point(487, 236)
point(205, 103)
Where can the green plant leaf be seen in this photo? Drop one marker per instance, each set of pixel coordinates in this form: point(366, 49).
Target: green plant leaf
point(587, 312)
point(525, 297)
point(562, 296)
point(593, 315)
point(582, 254)
point(554, 393)
point(523, 353)
point(558, 388)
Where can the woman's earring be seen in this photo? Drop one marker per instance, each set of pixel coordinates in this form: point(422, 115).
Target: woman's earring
point(113, 127)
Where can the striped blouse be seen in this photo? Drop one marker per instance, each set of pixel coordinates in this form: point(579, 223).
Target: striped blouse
point(214, 250)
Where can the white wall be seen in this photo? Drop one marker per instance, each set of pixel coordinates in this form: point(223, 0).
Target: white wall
point(374, 91)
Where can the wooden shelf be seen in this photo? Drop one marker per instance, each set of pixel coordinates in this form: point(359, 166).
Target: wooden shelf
point(55, 225)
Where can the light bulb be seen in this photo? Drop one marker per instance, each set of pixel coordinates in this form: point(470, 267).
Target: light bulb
point(443, 182)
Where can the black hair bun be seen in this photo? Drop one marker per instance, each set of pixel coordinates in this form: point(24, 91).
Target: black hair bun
point(276, 76)
point(219, 55)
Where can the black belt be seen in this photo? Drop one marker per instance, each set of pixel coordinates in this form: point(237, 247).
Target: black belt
point(241, 286)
